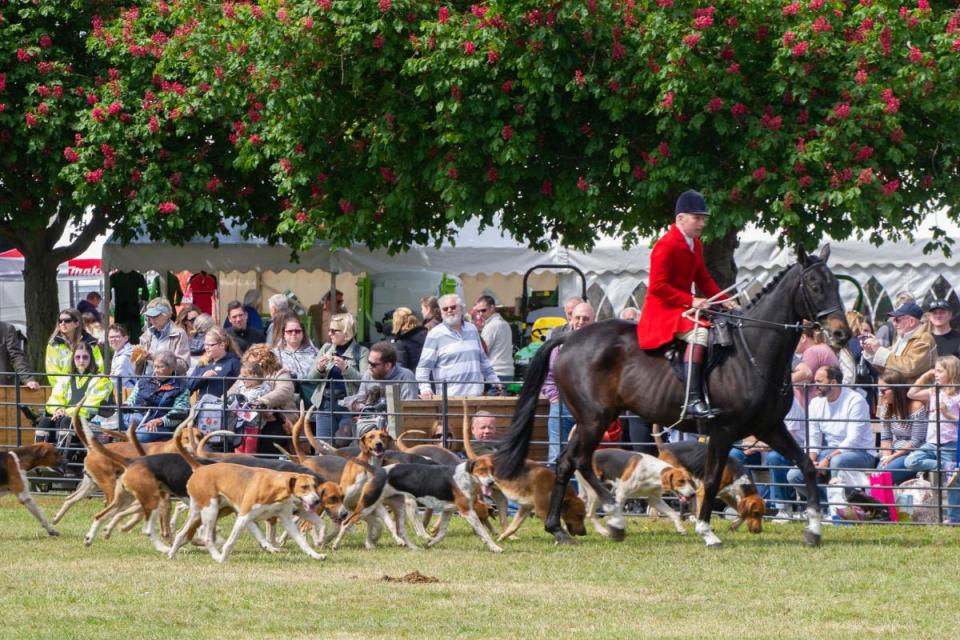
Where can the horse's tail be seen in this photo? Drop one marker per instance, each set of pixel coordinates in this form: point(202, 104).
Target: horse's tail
point(510, 458)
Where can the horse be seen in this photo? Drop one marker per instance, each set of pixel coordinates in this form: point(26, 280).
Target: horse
point(601, 372)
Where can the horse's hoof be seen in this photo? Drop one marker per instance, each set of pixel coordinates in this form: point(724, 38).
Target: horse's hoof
point(52, 532)
point(561, 537)
point(715, 545)
point(810, 538)
point(615, 534)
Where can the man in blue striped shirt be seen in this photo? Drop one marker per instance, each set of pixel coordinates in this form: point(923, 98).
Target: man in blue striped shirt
point(453, 353)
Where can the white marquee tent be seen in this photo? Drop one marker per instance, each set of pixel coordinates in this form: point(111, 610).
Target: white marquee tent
point(616, 276)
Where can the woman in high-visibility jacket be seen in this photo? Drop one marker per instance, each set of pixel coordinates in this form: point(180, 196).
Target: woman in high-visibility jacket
point(82, 392)
point(64, 340)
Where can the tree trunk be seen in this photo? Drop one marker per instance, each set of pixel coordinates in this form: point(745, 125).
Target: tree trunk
point(718, 256)
point(41, 302)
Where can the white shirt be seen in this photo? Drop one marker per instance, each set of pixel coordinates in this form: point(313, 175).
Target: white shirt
point(842, 424)
point(795, 423)
point(497, 336)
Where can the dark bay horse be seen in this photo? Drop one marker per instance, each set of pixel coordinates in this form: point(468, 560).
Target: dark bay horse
point(601, 372)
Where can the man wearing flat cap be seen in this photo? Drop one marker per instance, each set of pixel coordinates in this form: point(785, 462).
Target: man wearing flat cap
point(948, 338)
point(912, 353)
point(676, 264)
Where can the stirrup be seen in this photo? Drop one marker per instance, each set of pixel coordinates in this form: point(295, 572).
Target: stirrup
point(697, 409)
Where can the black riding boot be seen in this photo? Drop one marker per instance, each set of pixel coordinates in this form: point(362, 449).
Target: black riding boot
point(696, 406)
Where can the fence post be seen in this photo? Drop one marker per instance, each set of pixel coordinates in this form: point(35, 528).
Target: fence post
point(938, 478)
point(444, 408)
point(16, 399)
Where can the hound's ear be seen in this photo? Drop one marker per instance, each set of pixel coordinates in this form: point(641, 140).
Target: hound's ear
point(825, 253)
point(470, 465)
point(293, 483)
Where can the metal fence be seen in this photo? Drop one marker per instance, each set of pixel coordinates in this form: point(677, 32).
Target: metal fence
point(851, 493)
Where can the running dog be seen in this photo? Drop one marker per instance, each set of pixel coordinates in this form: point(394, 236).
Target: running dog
point(447, 458)
point(436, 487)
point(632, 475)
point(15, 464)
point(736, 488)
point(531, 490)
point(254, 493)
point(100, 471)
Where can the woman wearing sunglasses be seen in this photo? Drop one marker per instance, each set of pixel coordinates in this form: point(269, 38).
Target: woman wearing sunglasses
point(64, 341)
point(295, 351)
point(81, 393)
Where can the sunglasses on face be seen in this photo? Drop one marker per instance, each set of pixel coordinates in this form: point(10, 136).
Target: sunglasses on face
point(67, 320)
point(334, 331)
point(192, 318)
point(293, 331)
point(453, 308)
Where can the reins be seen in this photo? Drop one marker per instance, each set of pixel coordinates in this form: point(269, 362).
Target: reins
point(738, 321)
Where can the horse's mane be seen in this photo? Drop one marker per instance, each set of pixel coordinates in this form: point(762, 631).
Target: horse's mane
point(767, 287)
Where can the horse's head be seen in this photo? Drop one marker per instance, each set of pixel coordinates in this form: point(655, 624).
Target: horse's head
point(819, 297)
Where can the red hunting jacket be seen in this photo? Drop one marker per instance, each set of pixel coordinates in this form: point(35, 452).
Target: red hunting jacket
point(673, 269)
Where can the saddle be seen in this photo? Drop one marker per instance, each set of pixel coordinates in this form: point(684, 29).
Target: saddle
point(720, 343)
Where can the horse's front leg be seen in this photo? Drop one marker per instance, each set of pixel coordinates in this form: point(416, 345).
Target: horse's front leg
point(717, 452)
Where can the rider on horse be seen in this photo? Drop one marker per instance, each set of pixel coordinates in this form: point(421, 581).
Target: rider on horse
point(676, 264)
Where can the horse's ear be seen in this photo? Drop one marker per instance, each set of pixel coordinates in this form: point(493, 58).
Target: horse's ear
point(801, 255)
point(825, 253)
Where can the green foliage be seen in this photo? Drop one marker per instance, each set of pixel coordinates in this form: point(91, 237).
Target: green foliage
point(389, 122)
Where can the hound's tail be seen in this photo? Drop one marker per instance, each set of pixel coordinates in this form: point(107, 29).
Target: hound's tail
point(295, 430)
point(187, 455)
point(402, 445)
point(134, 440)
point(93, 444)
point(311, 437)
point(467, 445)
point(510, 458)
point(657, 433)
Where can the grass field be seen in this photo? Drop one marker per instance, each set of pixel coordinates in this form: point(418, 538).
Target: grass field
point(864, 582)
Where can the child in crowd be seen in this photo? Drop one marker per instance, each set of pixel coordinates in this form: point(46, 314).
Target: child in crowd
point(939, 452)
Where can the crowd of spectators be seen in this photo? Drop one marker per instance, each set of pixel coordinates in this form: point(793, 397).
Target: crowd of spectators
point(886, 401)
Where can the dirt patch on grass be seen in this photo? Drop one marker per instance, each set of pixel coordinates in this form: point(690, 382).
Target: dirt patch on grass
point(414, 577)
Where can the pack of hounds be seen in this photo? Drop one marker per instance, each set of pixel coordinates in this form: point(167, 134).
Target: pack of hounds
point(386, 484)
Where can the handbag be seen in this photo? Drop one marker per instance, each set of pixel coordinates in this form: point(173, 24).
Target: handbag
point(881, 488)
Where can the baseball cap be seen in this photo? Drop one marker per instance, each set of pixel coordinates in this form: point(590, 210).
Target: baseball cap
point(907, 309)
point(938, 304)
point(160, 309)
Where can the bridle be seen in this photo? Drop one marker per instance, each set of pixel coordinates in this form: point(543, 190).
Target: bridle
point(811, 308)
point(737, 321)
